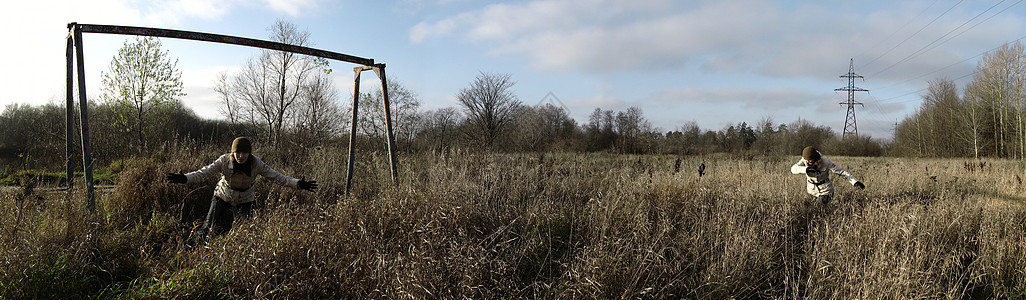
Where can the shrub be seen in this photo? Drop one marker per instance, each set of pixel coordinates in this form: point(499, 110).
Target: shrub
point(141, 193)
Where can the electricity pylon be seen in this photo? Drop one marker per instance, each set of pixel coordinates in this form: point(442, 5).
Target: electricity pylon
point(851, 128)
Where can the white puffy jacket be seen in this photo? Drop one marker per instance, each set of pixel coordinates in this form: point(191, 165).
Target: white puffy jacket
point(237, 187)
point(820, 185)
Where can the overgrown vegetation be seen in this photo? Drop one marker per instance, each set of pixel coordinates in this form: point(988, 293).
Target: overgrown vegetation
point(465, 224)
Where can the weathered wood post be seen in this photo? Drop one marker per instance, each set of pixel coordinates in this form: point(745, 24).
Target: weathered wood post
point(380, 70)
point(83, 101)
point(352, 128)
point(69, 110)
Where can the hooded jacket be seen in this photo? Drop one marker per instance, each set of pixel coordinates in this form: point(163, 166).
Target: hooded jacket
point(236, 185)
point(820, 184)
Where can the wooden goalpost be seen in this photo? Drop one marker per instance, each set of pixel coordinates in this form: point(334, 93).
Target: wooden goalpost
point(75, 54)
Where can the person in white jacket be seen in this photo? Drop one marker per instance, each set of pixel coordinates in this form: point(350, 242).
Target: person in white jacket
point(235, 190)
point(817, 174)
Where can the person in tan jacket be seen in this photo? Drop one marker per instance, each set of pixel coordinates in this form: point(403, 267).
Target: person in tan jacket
point(817, 174)
point(235, 190)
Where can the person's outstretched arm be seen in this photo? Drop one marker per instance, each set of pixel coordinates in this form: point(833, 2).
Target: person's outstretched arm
point(283, 179)
point(207, 173)
point(844, 173)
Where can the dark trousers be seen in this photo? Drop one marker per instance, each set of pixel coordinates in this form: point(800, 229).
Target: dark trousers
point(221, 216)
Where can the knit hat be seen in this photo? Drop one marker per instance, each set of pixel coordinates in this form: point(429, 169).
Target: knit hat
point(242, 144)
point(810, 153)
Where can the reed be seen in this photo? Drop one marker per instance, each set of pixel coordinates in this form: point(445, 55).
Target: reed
point(552, 225)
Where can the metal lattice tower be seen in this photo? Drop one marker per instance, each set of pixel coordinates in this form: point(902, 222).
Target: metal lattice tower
point(851, 128)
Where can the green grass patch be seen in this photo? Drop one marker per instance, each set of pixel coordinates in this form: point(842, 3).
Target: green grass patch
point(41, 177)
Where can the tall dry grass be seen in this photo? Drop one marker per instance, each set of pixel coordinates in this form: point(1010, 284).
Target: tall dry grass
point(481, 225)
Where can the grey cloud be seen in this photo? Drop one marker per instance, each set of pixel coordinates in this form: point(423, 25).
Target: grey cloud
point(592, 36)
point(873, 41)
point(811, 40)
point(777, 99)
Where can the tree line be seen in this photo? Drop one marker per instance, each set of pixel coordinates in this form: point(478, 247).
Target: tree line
point(988, 118)
point(35, 135)
point(288, 101)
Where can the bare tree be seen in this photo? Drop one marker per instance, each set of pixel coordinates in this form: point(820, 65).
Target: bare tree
point(599, 131)
point(437, 128)
point(692, 135)
point(290, 71)
point(269, 89)
point(490, 106)
point(630, 126)
point(232, 108)
point(320, 114)
point(940, 105)
point(254, 91)
point(1017, 92)
point(404, 104)
point(971, 116)
point(542, 126)
point(1000, 88)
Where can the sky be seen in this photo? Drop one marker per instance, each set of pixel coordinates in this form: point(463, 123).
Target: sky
point(712, 62)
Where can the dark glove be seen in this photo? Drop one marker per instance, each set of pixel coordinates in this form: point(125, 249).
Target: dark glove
point(859, 185)
point(811, 171)
point(307, 185)
point(177, 178)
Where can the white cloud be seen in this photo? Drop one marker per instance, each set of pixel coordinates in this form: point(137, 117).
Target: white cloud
point(40, 26)
point(509, 21)
point(452, 100)
point(206, 75)
point(37, 32)
point(173, 12)
point(422, 31)
point(293, 8)
point(603, 35)
point(774, 99)
point(206, 9)
point(771, 38)
point(418, 7)
point(603, 101)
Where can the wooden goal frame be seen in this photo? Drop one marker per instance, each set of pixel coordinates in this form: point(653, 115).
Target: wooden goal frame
point(75, 54)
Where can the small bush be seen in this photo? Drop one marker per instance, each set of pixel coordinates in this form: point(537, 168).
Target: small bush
point(143, 192)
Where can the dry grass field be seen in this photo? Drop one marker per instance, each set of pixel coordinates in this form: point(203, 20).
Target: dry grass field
point(534, 226)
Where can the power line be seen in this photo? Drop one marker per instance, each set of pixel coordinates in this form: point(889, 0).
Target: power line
point(878, 103)
point(959, 62)
point(917, 31)
point(893, 33)
point(956, 63)
point(920, 51)
point(956, 79)
point(921, 90)
point(977, 24)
